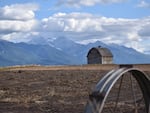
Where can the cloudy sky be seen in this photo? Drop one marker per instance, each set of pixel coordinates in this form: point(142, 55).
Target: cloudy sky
point(125, 22)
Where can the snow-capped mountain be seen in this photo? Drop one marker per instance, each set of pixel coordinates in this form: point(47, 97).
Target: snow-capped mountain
point(62, 51)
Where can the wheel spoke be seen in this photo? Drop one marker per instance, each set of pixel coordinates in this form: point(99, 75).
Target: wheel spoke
point(126, 90)
point(111, 110)
point(133, 94)
point(118, 94)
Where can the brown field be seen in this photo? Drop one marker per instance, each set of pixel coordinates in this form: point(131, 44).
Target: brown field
point(50, 89)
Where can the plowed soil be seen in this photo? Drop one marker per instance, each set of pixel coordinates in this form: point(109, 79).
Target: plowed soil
point(48, 90)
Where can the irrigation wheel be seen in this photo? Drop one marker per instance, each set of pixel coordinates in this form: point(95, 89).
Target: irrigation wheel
point(123, 90)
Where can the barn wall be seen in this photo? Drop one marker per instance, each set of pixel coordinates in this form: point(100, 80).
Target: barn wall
point(94, 57)
point(94, 60)
point(107, 60)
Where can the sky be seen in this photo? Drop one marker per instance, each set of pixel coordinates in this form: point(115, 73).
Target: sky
point(123, 22)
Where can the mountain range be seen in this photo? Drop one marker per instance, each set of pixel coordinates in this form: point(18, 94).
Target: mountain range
point(62, 51)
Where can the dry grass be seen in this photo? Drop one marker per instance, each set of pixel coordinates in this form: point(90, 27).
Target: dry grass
point(144, 67)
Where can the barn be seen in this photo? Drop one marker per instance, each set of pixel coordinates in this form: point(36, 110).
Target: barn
point(99, 55)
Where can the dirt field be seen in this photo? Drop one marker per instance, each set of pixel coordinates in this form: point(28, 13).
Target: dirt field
point(59, 89)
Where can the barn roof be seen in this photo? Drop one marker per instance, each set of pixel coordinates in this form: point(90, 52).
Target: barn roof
point(102, 51)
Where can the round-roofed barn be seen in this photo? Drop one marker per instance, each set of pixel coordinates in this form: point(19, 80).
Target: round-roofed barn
point(99, 55)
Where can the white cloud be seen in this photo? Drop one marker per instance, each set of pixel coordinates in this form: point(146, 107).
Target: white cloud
point(19, 36)
point(84, 28)
point(16, 26)
point(18, 12)
point(144, 4)
point(73, 22)
point(78, 3)
point(145, 30)
point(17, 21)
